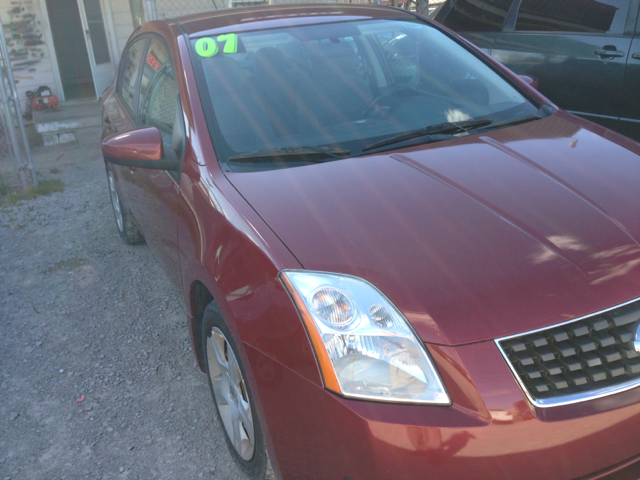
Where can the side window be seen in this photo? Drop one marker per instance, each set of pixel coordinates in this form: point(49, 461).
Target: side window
point(158, 90)
point(592, 16)
point(478, 15)
point(131, 65)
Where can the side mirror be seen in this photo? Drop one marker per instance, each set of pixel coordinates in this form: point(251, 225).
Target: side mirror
point(532, 81)
point(140, 148)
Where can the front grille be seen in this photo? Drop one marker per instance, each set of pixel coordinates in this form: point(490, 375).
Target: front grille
point(585, 355)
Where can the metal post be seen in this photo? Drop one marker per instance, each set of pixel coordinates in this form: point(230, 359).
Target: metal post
point(16, 103)
point(10, 125)
point(422, 7)
point(150, 13)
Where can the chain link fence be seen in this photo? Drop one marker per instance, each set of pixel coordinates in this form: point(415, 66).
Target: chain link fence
point(159, 9)
point(15, 152)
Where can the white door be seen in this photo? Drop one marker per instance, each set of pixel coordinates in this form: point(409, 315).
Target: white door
point(98, 46)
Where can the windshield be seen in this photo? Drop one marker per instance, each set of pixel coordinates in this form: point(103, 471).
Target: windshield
point(324, 92)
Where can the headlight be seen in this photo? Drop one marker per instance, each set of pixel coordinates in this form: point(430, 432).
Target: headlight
point(365, 346)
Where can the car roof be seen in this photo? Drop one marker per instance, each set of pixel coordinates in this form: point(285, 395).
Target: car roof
point(274, 16)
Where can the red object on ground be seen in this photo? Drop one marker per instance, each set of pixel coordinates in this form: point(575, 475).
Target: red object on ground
point(42, 103)
point(81, 399)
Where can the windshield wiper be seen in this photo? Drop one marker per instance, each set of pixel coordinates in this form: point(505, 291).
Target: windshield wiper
point(449, 128)
point(294, 154)
point(544, 111)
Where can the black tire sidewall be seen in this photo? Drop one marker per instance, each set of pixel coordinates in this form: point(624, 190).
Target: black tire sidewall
point(255, 468)
point(130, 232)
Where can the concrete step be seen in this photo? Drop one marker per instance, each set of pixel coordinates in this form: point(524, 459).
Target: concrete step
point(59, 125)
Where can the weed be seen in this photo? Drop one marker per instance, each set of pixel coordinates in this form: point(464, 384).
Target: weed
point(54, 170)
point(5, 188)
point(11, 195)
point(47, 187)
point(68, 264)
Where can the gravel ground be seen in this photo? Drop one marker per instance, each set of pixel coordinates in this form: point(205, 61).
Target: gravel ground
point(82, 315)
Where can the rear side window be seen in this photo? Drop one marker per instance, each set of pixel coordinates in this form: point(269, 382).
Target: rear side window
point(478, 15)
point(585, 16)
point(130, 68)
point(158, 88)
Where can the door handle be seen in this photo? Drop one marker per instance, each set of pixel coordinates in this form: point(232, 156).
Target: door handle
point(609, 53)
point(636, 56)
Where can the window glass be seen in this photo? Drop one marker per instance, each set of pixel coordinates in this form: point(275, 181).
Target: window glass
point(335, 88)
point(158, 90)
point(401, 52)
point(590, 16)
point(478, 15)
point(96, 30)
point(130, 69)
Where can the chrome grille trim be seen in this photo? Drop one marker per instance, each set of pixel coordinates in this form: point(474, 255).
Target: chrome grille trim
point(571, 398)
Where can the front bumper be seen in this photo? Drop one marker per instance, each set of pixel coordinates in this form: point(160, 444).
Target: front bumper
point(490, 431)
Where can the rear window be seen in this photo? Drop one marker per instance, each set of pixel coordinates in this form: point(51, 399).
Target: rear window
point(478, 15)
point(585, 16)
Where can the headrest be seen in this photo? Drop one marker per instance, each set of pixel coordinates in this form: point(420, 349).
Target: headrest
point(314, 50)
point(223, 75)
point(329, 59)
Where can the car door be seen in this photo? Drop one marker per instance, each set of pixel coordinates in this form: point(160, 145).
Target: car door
point(120, 108)
point(576, 48)
point(153, 195)
point(630, 118)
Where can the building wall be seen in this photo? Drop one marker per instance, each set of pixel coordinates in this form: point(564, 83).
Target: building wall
point(175, 8)
point(31, 59)
point(122, 21)
point(26, 29)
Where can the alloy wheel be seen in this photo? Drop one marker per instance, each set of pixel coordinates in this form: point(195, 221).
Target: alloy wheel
point(115, 202)
point(230, 394)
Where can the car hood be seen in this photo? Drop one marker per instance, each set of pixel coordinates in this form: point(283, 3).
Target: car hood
point(474, 238)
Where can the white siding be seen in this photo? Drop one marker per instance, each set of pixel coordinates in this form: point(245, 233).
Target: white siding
point(30, 58)
point(122, 20)
point(175, 8)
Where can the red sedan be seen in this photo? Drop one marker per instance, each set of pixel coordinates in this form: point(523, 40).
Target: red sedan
point(399, 260)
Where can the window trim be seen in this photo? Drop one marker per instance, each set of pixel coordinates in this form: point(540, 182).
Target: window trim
point(118, 91)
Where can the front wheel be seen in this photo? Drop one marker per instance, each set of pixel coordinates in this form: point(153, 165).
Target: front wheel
point(231, 396)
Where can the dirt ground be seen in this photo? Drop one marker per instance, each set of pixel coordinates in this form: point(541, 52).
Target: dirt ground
point(84, 316)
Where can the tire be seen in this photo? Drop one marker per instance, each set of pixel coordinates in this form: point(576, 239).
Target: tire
point(219, 358)
point(127, 227)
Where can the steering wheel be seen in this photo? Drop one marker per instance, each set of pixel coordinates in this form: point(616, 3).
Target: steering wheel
point(394, 90)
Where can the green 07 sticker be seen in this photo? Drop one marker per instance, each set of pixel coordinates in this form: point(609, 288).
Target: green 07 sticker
point(208, 47)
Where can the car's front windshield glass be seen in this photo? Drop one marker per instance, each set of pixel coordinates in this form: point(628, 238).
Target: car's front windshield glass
point(300, 95)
